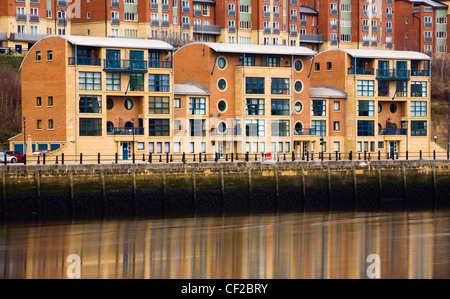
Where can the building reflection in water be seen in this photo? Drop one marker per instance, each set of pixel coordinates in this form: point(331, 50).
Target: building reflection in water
point(310, 245)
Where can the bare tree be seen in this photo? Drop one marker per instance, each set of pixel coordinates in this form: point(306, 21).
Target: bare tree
point(10, 103)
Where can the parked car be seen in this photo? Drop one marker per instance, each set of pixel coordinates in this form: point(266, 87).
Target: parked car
point(42, 152)
point(9, 159)
point(15, 154)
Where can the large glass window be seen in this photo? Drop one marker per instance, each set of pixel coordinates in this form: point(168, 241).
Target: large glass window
point(280, 128)
point(280, 107)
point(366, 108)
point(365, 88)
point(90, 126)
point(90, 104)
point(158, 127)
point(197, 106)
point(402, 89)
point(255, 127)
point(418, 108)
point(197, 127)
point(366, 128)
point(418, 89)
point(113, 81)
point(90, 81)
point(273, 61)
point(254, 85)
point(136, 82)
point(318, 108)
point(319, 128)
point(280, 86)
point(158, 83)
point(248, 61)
point(255, 106)
point(158, 105)
point(383, 88)
point(418, 128)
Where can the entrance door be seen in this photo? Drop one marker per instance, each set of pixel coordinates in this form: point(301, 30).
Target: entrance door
point(392, 148)
point(125, 150)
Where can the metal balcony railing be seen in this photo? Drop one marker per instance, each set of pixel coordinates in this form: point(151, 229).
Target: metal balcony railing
point(160, 64)
point(125, 65)
point(424, 73)
point(360, 71)
point(126, 131)
point(207, 29)
point(393, 74)
point(393, 131)
point(85, 61)
point(311, 38)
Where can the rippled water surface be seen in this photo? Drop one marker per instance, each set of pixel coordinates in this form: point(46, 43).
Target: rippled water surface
point(296, 245)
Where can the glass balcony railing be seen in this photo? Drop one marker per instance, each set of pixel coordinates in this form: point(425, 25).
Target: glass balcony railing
point(393, 74)
point(126, 131)
point(123, 65)
point(392, 131)
point(360, 71)
point(85, 61)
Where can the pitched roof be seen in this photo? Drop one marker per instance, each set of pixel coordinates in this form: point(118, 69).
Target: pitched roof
point(117, 42)
point(258, 49)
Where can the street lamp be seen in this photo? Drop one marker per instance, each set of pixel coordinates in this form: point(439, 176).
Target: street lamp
point(24, 136)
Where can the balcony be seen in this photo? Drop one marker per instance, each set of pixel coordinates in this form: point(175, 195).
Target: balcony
point(293, 33)
point(185, 26)
point(333, 12)
point(361, 71)
point(311, 38)
point(3, 36)
point(115, 21)
point(417, 73)
point(333, 27)
point(26, 37)
point(303, 23)
point(389, 31)
point(159, 64)
point(231, 29)
point(305, 132)
point(333, 42)
point(428, 39)
point(62, 22)
point(62, 3)
point(153, 6)
point(126, 131)
point(198, 12)
point(365, 28)
point(34, 1)
point(276, 15)
point(374, 28)
point(427, 9)
point(275, 30)
point(207, 29)
point(85, 61)
point(231, 13)
point(186, 10)
point(293, 2)
point(267, 30)
point(165, 23)
point(115, 4)
point(34, 18)
point(122, 65)
point(266, 14)
point(154, 22)
point(393, 74)
point(428, 25)
point(21, 17)
point(227, 132)
point(165, 7)
point(292, 18)
point(393, 131)
point(389, 16)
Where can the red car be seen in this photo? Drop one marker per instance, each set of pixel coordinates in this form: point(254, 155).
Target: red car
point(42, 152)
point(15, 154)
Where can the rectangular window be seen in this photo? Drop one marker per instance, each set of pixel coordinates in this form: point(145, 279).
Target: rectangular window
point(90, 81)
point(280, 86)
point(113, 81)
point(383, 88)
point(158, 83)
point(50, 55)
point(197, 127)
point(318, 128)
point(402, 89)
point(255, 106)
point(365, 88)
point(177, 125)
point(158, 127)
point(255, 127)
point(136, 82)
point(280, 107)
point(336, 106)
point(366, 108)
point(248, 61)
point(336, 126)
point(176, 103)
point(90, 104)
point(418, 89)
point(197, 106)
point(151, 147)
point(140, 146)
point(38, 101)
point(39, 124)
point(336, 146)
point(177, 147)
point(90, 126)
point(50, 102)
point(166, 147)
point(159, 147)
point(50, 124)
point(318, 108)
point(418, 128)
point(317, 66)
point(418, 108)
point(329, 66)
point(38, 55)
point(280, 128)
point(158, 105)
point(366, 128)
point(273, 61)
point(254, 85)
point(380, 144)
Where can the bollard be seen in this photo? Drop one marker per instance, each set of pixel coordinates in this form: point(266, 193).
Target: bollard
point(25, 159)
point(62, 158)
point(226, 157)
point(116, 158)
point(134, 158)
point(216, 157)
point(43, 159)
point(337, 156)
point(246, 157)
point(98, 158)
point(434, 154)
point(56, 162)
point(200, 157)
point(379, 155)
point(38, 161)
point(143, 157)
point(365, 155)
point(350, 155)
point(307, 156)
point(194, 158)
point(420, 154)
point(232, 157)
point(160, 158)
point(81, 158)
point(406, 155)
point(167, 157)
point(293, 156)
point(184, 158)
point(150, 158)
point(256, 157)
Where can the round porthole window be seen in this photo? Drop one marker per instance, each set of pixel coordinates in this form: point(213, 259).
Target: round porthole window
point(222, 84)
point(109, 127)
point(221, 63)
point(222, 127)
point(128, 104)
point(393, 108)
point(298, 86)
point(109, 103)
point(222, 105)
point(298, 65)
point(380, 108)
point(379, 128)
point(298, 107)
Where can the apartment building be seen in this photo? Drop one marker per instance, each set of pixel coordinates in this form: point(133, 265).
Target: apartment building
point(24, 22)
point(388, 98)
point(421, 26)
point(90, 95)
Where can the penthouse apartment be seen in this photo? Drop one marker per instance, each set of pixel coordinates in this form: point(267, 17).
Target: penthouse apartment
point(90, 95)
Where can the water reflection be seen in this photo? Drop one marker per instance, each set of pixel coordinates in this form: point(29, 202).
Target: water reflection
point(313, 245)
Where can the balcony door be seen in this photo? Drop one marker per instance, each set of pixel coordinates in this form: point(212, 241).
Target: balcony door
point(383, 68)
point(113, 59)
point(137, 60)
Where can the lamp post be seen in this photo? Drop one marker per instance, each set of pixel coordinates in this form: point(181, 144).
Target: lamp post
point(24, 136)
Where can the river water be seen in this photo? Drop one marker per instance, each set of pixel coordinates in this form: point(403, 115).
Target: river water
point(265, 246)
